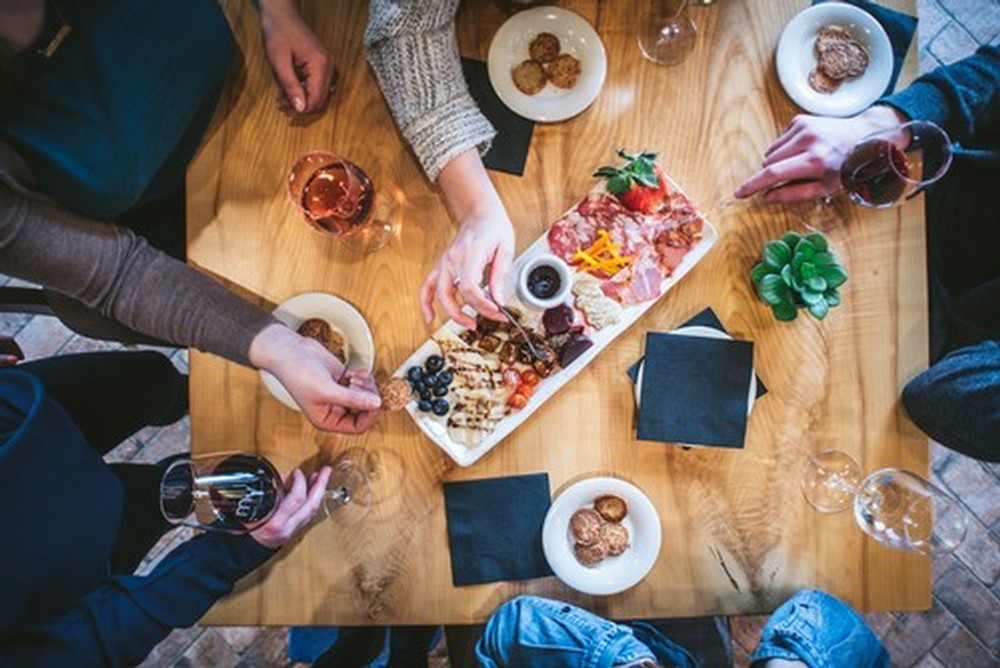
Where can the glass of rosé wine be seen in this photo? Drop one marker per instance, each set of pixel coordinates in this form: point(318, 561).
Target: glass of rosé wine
point(337, 197)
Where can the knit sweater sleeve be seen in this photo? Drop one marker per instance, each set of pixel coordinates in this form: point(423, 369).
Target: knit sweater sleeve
point(412, 48)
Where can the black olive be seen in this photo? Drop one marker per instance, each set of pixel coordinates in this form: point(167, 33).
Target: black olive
point(424, 406)
point(445, 378)
point(434, 363)
point(414, 373)
point(440, 390)
point(441, 407)
point(426, 395)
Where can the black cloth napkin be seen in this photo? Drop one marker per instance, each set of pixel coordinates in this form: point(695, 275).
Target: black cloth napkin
point(706, 318)
point(694, 390)
point(510, 147)
point(495, 528)
point(898, 26)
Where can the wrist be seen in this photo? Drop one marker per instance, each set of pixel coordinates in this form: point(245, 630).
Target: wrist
point(271, 346)
point(883, 117)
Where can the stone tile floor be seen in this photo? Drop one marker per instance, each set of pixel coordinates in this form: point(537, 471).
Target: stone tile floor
point(961, 630)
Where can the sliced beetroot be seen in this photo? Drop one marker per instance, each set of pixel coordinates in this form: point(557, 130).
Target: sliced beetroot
point(558, 319)
point(575, 347)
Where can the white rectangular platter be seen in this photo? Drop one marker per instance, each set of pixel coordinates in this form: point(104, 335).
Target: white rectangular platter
point(435, 427)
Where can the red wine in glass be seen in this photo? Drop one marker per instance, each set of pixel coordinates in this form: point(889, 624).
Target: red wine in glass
point(876, 173)
point(247, 492)
point(895, 164)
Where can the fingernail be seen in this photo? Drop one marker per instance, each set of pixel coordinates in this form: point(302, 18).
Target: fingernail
point(299, 104)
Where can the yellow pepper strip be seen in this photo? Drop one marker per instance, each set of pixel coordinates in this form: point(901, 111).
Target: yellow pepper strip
point(601, 256)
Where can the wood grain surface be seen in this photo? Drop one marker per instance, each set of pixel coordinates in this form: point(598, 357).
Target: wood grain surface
point(737, 534)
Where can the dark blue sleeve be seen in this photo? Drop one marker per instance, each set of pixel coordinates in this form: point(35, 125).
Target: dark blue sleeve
point(957, 97)
point(119, 622)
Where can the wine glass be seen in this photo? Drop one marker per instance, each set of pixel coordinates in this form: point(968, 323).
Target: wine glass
point(895, 507)
point(668, 34)
point(337, 197)
point(895, 164)
point(237, 492)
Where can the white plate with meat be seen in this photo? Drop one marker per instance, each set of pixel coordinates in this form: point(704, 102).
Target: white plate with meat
point(487, 382)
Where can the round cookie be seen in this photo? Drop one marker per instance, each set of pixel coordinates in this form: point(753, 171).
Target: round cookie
point(544, 48)
point(615, 537)
point(396, 393)
point(564, 71)
point(835, 61)
point(612, 508)
point(529, 77)
point(585, 525)
point(590, 555)
point(821, 83)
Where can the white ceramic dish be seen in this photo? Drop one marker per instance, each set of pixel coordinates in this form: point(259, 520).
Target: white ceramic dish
point(295, 310)
point(707, 332)
point(614, 574)
point(436, 428)
point(509, 49)
point(795, 58)
point(565, 281)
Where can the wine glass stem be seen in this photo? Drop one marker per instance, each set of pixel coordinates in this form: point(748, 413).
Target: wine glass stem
point(340, 496)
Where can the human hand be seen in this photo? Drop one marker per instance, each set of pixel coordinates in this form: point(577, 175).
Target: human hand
point(301, 64)
point(804, 162)
point(485, 239)
point(332, 398)
point(297, 508)
point(10, 352)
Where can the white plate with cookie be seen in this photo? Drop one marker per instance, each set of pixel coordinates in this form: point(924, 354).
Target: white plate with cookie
point(573, 549)
point(348, 335)
point(853, 75)
point(558, 59)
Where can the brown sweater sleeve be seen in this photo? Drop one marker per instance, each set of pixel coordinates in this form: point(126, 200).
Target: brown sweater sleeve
point(114, 271)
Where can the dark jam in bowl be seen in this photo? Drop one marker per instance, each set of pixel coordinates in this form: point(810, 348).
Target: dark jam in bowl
point(544, 281)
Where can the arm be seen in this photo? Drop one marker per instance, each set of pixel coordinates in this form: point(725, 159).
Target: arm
point(958, 97)
point(413, 51)
point(300, 63)
point(115, 272)
point(120, 621)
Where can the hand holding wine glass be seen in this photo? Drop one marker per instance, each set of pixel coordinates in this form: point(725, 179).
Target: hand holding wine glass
point(297, 508)
point(804, 163)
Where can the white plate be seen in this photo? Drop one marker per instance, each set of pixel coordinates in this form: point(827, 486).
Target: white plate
point(614, 574)
point(296, 310)
point(509, 49)
point(707, 332)
point(795, 58)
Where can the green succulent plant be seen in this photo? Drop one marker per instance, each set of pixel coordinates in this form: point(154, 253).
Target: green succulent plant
point(798, 272)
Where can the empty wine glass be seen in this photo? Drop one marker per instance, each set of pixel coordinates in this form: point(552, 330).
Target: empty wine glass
point(667, 35)
point(237, 492)
point(897, 508)
point(895, 164)
point(337, 197)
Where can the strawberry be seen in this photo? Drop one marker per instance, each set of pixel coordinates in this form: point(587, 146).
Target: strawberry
point(639, 184)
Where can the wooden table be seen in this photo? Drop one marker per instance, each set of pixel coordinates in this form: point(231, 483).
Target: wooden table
point(737, 534)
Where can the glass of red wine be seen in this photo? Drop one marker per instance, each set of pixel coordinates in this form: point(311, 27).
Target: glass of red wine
point(337, 197)
point(238, 492)
point(893, 165)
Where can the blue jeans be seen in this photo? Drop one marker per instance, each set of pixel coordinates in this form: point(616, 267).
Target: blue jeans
point(957, 401)
point(812, 627)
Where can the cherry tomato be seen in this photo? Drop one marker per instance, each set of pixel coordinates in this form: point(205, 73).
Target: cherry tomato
point(517, 401)
point(511, 377)
point(530, 377)
point(525, 389)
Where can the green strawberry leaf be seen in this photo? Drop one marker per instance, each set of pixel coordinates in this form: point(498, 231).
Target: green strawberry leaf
point(607, 172)
point(618, 184)
point(818, 241)
point(784, 312)
point(772, 290)
point(819, 309)
point(777, 254)
point(648, 180)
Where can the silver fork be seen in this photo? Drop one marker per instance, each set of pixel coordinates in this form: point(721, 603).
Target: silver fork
point(527, 338)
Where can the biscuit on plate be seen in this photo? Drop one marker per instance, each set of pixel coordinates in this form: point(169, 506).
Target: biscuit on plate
point(835, 60)
point(611, 507)
point(544, 48)
point(529, 77)
point(615, 538)
point(585, 525)
point(330, 337)
point(590, 555)
point(564, 71)
point(396, 393)
point(821, 83)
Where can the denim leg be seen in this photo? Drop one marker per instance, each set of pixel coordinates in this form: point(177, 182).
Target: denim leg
point(957, 401)
point(821, 631)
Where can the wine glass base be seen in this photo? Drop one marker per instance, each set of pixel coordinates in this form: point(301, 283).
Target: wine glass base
point(372, 237)
point(349, 493)
point(830, 481)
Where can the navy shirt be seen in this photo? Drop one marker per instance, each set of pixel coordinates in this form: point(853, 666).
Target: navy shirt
point(60, 507)
point(114, 116)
